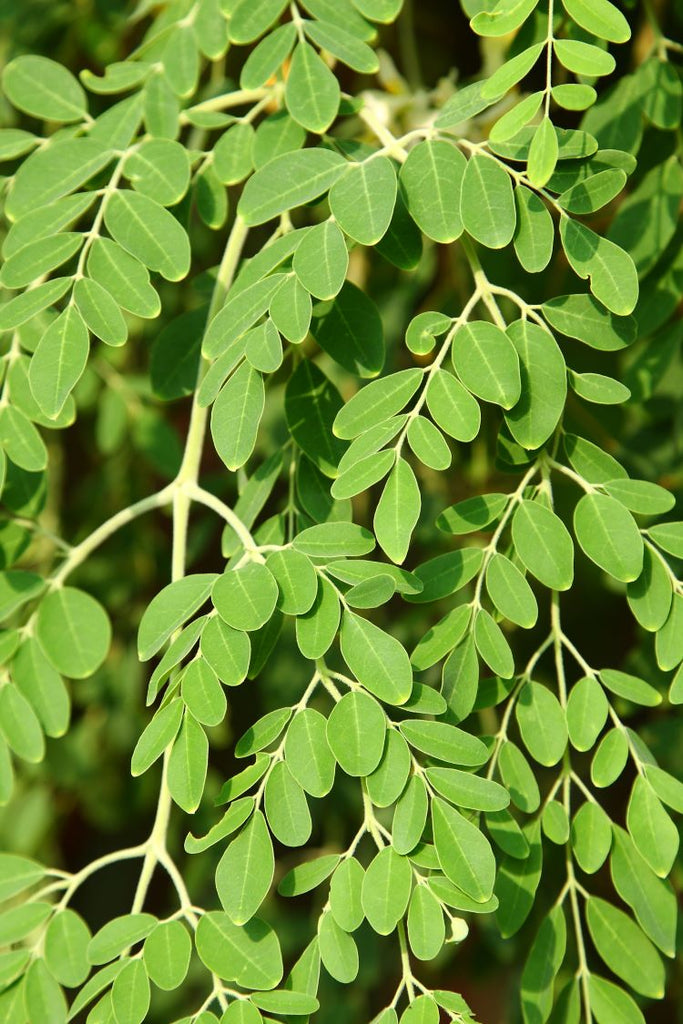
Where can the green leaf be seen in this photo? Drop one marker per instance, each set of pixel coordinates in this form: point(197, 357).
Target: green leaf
point(510, 73)
point(236, 416)
point(535, 231)
point(583, 58)
point(334, 540)
point(543, 153)
point(296, 579)
point(308, 754)
point(117, 935)
point(532, 420)
point(239, 313)
point(55, 171)
point(316, 630)
point(464, 853)
point(268, 56)
point(66, 942)
point(16, 588)
point(609, 535)
point(24, 307)
point(652, 900)
point(487, 363)
point(518, 778)
point(361, 475)
point(345, 894)
point(487, 203)
point(601, 18)
point(610, 1004)
point(149, 232)
point(44, 89)
point(166, 955)
point(289, 180)
point(187, 765)
point(426, 926)
point(311, 404)
point(544, 545)
point(376, 658)
point(510, 592)
point(20, 726)
point(472, 514)
point(321, 260)
point(169, 609)
point(610, 758)
point(555, 822)
point(286, 807)
point(379, 10)
point(248, 954)
point(587, 710)
point(312, 91)
point(517, 881)
point(203, 694)
point(542, 723)
point(356, 731)
point(350, 330)
point(245, 871)
point(593, 193)
point(513, 122)
point(591, 836)
point(583, 318)
point(428, 443)
point(397, 512)
point(251, 18)
point(652, 830)
point(130, 995)
point(385, 784)
point(596, 387)
point(100, 312)
point(467, 790)
point(452, 407)
point(630, 687)
point(613, 277)
point(159, 169)
point(235, 816)
point(43, 997)
point(376, 402)
point(233, 154)
point(59, 361)
point(410, 816)
point(246, 597)
point(286, 1001)
point(124, 277)
point(431, 180)
point(338, 951)
point(21, 441)
point(362, 201)
point(445, 742)
point(541, 967)
point(38, 258)
point(502, 19)
point(14, 142)
point(307, 876)
point(641, 496)
point(17, 874)
point(492, 645)
point(669, 537)
point(74, 631)
point(386, 890)
point(291, 310)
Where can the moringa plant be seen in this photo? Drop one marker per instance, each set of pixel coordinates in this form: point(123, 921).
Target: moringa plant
point(412, 339)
